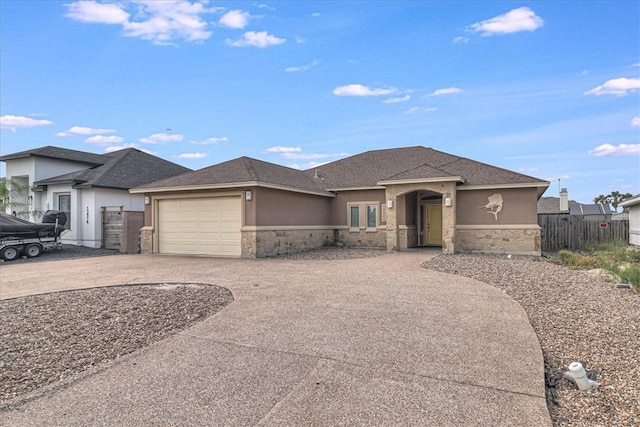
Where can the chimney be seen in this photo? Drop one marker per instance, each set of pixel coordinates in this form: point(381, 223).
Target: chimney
point(564, 200)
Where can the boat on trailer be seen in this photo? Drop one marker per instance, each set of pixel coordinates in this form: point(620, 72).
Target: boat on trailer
point(21, 237)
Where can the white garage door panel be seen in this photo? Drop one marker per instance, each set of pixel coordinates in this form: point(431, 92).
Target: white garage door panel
point(207, 226)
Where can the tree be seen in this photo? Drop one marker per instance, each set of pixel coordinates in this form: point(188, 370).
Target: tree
point(13, 197)
point(614, 199)
point(601, 199)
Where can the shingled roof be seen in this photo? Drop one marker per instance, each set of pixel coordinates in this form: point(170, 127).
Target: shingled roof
point(243, 171)
point(58, 154)
point(122, 169)
point(369, 169)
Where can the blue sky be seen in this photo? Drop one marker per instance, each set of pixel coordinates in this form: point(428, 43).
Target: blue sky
point(549, 89)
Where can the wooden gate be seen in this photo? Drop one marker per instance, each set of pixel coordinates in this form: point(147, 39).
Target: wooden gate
point(112, 226)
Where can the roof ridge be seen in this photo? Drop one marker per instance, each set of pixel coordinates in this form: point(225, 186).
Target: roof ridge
point(112, 162)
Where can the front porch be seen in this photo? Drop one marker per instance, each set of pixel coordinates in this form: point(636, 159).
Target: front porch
point(421, 215)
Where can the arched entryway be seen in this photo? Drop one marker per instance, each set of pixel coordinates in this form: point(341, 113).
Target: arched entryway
point(421, 215)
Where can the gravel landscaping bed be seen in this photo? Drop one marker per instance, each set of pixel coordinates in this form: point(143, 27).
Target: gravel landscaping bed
point(578, 316)
point(52, 337)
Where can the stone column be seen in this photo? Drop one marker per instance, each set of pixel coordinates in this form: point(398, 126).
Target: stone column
point(392, 222)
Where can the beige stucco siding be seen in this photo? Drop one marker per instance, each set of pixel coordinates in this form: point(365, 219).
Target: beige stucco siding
point(284, 208)
point(519, 207)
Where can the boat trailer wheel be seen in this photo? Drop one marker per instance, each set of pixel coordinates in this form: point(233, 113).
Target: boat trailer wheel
point(10, 253)
point(33, 250)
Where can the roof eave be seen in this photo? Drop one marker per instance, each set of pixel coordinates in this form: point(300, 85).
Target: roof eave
point(630, 202)
point(541, 186)
point(355, 188)
point(229, 185)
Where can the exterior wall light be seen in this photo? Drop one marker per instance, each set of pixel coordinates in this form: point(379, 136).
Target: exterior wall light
point(248, 195)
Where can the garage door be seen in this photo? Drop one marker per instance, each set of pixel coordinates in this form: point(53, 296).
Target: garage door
point(206, 226)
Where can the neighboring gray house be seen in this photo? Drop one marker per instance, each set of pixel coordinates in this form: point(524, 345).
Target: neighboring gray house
point(81, 184)
point(562, 205)
point(632, 205)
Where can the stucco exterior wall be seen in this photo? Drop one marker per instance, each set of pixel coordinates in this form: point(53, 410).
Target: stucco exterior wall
point(511, 228)
point(634, 224)
point(519, 207)
point(285, 208)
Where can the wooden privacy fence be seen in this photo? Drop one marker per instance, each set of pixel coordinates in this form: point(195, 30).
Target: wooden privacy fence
point(563, 231)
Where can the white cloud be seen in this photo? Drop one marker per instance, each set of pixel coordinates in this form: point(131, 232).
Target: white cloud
point(234, 19)
point(361, 90)
point(306, 67)
point(83, 130)
point(514, 21)
point(15, 122)
point(460, 39)
point(414, 110)
point(316, 14)
point(191, 156)
point(97, 13)
point(616, 150)
point(618, 87)
point(281, 149)
point(256, 39)
point(398, 99)
point(161, 138)
point(210, 141)
point(161, 22)
point(445, 91)
point(103, 140)
point(635, 122)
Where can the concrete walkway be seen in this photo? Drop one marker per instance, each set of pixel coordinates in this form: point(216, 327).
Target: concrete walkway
point(373, 341)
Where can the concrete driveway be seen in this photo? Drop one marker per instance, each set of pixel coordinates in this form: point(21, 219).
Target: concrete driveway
point(372, 341)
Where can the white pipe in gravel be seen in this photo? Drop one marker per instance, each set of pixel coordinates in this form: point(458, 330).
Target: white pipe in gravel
point(577, 375)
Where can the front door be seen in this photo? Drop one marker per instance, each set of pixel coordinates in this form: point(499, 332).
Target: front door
point(434, 224)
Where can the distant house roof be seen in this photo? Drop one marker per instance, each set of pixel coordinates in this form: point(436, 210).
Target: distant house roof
point(243, 171)
point(122, 169)
point(551, 205)
point(58, 154)
point(371, 168)
point(591, 209)
point(366, 170)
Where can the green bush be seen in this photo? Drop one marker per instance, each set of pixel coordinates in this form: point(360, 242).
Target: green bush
point(616, 257)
